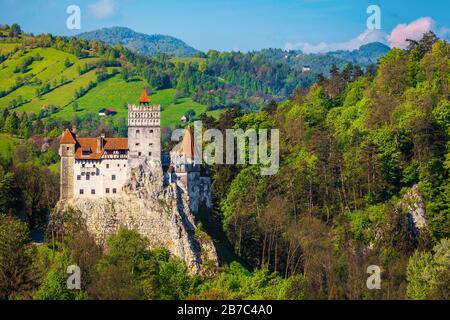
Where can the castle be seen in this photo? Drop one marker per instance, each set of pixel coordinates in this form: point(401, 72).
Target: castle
point(99, 167)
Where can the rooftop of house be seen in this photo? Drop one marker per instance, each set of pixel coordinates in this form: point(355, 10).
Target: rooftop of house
point(107, 110)
point(89, 148)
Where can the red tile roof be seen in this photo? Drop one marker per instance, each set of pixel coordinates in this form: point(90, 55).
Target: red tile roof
point(188, 146)
point(144, 97)
point(89, 145)
point(67, 137)
point(116, 144)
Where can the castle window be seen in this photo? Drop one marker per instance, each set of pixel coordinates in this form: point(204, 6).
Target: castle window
point(118, 165)
point(149, 153)
point(137, 144)
point(88, 177)
point(151, 144)
point(93, 191)
point(107, 190)
point(113, 177)
point(114, 190)
point(107, 166)
point(78, 178)
point(68, 148)
point(82, 165)
point(124, 165)
point(139, 154)
point(81, 191)
point(151, 131)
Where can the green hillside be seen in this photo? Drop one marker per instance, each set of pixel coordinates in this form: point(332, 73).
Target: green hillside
point(25, 72)
point(116, 93)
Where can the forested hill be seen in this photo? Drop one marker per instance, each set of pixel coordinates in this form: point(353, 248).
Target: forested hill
point(365, 56)
point(142, 43)
point(364, 179)
point(47, 72)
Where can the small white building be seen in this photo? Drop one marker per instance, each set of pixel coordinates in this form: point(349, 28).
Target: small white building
point(106, 112)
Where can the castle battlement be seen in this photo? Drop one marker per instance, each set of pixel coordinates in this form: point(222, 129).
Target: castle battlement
point(144, 115)
point(137, 107)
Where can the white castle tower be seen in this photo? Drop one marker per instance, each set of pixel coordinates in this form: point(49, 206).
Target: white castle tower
point(144, 131)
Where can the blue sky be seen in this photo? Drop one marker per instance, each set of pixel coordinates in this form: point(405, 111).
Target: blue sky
point(311, 25)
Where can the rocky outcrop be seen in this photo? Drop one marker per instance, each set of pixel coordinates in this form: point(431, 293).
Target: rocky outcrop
point(199, 193)
point(157, 210)
point(414, 204)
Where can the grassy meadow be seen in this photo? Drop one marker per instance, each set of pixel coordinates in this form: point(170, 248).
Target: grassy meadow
point(65, 81)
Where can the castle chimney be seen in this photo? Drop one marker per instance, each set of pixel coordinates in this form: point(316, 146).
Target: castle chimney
point(100, 142)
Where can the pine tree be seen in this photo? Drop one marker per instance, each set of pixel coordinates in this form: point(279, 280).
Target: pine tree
point(12, 124)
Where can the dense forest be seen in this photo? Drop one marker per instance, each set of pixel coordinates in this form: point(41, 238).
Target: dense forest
point(353, 148)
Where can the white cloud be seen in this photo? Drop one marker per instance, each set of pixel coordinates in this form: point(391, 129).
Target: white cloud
point(397, 38)
point(102, 9)
point(413, 31)
point(366, 37)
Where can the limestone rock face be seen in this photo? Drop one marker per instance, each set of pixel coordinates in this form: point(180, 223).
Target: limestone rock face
point(199, 193)
point(157, 210)
point(414, 204)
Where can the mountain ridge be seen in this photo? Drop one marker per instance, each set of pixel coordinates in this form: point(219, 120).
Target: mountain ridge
point(148, 44)
point(365, 55)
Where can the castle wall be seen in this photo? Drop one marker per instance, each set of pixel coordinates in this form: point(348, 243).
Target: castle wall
point(106, 178)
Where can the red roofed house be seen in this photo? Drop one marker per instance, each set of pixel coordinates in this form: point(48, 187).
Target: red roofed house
point(107, 112)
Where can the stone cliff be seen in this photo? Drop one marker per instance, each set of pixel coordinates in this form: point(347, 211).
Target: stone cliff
point(157, 210)
point(414, 204)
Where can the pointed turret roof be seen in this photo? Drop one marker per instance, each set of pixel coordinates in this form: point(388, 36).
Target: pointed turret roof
point(144, 97)
point(67, 137)
point(188, 147)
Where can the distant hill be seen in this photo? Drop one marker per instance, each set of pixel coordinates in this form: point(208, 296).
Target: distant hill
point(139, 42)
point(364, 56)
